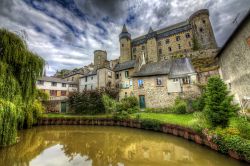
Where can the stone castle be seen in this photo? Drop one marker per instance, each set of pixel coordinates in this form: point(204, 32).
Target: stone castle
point(155, 67)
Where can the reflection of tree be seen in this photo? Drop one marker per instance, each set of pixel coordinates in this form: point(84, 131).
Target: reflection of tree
point(106, 145)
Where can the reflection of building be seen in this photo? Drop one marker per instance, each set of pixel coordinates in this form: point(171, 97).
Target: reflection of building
point(58, 90)
point(234, 61)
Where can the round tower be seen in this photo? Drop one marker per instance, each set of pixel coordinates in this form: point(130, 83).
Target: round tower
point(125, 45)
point(100, 57)
point(202, 30)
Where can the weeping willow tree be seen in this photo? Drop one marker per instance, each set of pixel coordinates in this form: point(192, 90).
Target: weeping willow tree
point(19, 70)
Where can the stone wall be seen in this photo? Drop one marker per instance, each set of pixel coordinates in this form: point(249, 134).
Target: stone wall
point(155, 96)
point(235, 63)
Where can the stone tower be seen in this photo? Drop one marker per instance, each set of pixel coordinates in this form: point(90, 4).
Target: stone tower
point(202, 29)
point(100, 58)
point(125, 45)
point(151, 46)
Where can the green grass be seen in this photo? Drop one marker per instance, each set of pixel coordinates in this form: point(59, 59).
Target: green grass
point(178, 119)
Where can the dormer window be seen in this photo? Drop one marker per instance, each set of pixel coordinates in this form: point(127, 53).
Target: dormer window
point(178, 38)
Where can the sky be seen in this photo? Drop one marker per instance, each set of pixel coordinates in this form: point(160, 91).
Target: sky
point(66, 32)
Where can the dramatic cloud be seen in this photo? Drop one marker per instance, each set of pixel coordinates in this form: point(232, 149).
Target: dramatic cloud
point(66, 33)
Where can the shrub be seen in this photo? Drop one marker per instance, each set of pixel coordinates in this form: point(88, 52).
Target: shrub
point(234, 143)
point(244, 127)
point(109, 103)
point(151, 124)
point(218, 104)
point(121, 115)
point(129, 104)
point(199, 103)
point(180, 106)
point(199, 122)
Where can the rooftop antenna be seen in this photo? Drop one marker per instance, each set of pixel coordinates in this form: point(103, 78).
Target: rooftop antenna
point(235, 21)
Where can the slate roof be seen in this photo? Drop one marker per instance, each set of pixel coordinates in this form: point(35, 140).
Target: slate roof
point(174, 68)
point(181, 67)
point(157, 68)
point(91, 73)
point(53, 79)
point(125, 65)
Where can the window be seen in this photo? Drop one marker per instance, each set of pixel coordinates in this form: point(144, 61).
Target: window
point(142, 47)
point(72, 85)
point(72, 79)
point(91, 87)
point(160, 51)
point(140, 83)
point(63, 85)
point(158, 81)
point(40, 82)
point(189, 43)
point(167, 41)
point(109, 74)
point(92, 78)
point(53, 92)
point(178, 38)
point(134, 56)
point(204, 21)
point(186, 80)
point(63, 93)
point(159, 43)
point(86, 79)
point(116, 75)
point(169, 49)
point(117, 85)
point(122, 45)
point(187, 35)
point(85, 87)
point(126, 74)
point(53, 83)
point(176, 80)
point(134, 49)
point(130, 83)
point(179, 46)
point(201, 29)
point(126, 94)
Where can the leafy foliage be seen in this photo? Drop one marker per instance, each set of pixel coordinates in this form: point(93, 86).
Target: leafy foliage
point(180, 106)
point(93, 102)
point(151, 124)
point(218, 103)
point(8, 123)
point(19, 70)
point(244, 127)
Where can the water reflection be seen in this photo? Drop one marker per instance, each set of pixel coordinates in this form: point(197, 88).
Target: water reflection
point(106, 146)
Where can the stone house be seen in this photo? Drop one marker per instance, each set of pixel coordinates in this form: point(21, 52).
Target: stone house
point(234, 62)
point(157, 85)
point(58, 90)
point(123, 80)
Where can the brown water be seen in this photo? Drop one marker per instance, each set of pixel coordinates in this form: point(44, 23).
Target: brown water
point(106, 146)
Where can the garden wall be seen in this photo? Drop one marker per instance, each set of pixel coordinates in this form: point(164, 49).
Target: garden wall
point(176, 130)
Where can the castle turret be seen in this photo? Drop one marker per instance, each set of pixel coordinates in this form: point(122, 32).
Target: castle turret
point(100, 58)
point(202, 30)
point(151, 46)
point(125, 45)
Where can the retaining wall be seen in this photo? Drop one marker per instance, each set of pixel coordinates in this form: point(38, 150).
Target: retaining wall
point(176, 130)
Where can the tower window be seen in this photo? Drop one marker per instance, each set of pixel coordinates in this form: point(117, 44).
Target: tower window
point(142, 47)
point(134, 49)
point(160, 51)
point(201, 29)
point(203, 21)
point(159, 43)
point(178, 38)
point(179, 46)
point(187, 35)
point(167, 41)
point(122, 45)
point(169, 49)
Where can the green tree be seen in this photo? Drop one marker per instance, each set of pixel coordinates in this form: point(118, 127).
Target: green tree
point(19, 71)
point(218, 103)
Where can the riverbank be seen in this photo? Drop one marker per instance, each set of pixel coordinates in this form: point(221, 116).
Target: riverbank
point(178, 125)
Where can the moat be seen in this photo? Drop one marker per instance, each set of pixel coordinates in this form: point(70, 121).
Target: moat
point(106, 146)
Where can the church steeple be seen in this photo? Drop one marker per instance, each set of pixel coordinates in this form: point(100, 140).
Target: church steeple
point(124, 29)
point(124, 33)
point(150, 30)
